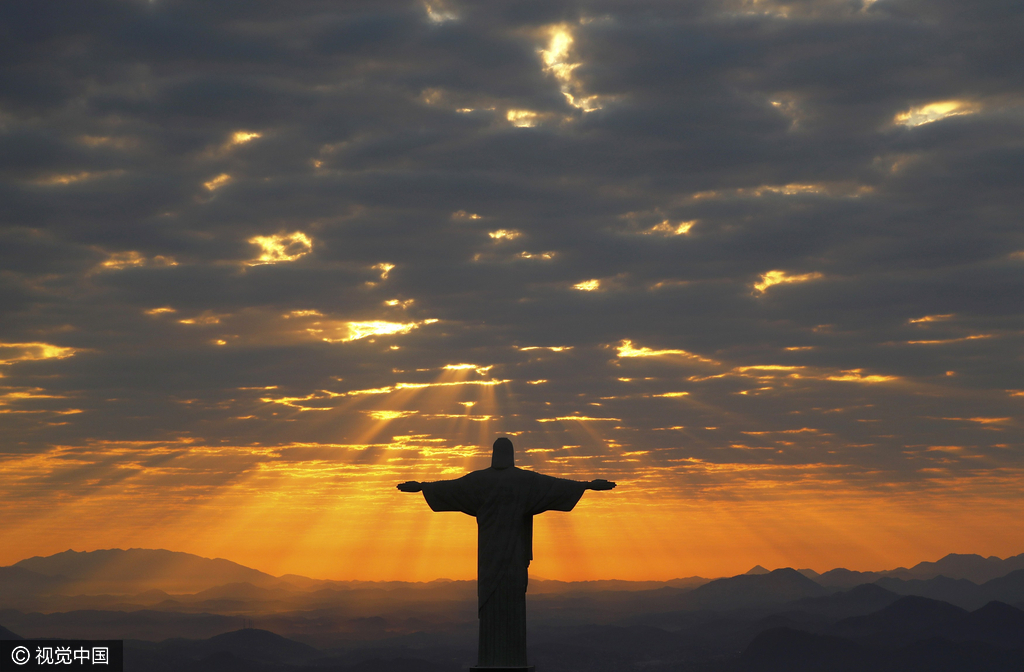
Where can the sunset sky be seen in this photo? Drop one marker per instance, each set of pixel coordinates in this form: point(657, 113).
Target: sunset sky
point(761, 263)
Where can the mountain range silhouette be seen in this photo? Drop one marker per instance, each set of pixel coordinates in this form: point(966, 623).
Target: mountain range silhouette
point(913, 633)
point(172, 571)
point(974, 568)
point(181, 611)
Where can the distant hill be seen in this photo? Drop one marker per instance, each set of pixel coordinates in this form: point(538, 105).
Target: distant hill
point(790, 650)
point(913, 634)
point(758, 569)
point(255, 644)
point(135, 578)
point(974, 568)
point(1009, 588)
point(241, 591)
point(1001, 623)
point(7, 635)
point(844, 579)
point(246, 650)
point(753, 590)
point(914, 618)
point(908, 619)
point(862, 600)
point(961, 592)
point(136, 570)
point(537, 585)
point(540, 586)
point(17, 583)
point(96, 624)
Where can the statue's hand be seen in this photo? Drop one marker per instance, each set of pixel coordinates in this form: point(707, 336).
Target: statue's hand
point(410, 486)
point(601, 484)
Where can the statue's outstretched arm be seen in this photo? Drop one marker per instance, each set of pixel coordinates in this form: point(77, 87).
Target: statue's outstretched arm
point(410, 486)
point(600, 484)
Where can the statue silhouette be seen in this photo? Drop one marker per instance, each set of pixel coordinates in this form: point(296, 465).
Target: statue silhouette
point(504, 500)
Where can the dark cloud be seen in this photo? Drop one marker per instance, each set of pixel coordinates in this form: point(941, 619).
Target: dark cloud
point(144, 148)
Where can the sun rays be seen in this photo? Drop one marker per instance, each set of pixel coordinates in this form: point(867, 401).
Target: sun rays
point(696, 470)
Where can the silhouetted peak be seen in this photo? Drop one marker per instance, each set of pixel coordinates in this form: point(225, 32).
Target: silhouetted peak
point(967, 557)
point(7, 635)
point(783, 571)
point(908, 618)
point(858, 601)
point(748, 590)
point(756, 569)
point(911, 606)
point(1001, 622)
point(840, 577)
point(136, 569)
point(868, 590)
point(999, 611)
point(785, 576)
point(970, 566)
point(249, 635)
point(1016, 575)
point(258, 644)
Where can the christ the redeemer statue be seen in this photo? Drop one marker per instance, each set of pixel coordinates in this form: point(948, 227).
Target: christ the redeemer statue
point(504, 500)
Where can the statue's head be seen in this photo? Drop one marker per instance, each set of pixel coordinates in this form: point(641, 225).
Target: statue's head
point(502, 457)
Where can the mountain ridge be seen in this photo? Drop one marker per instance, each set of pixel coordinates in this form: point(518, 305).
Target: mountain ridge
point(138, 570)
point(171, 571)
point(971, 567)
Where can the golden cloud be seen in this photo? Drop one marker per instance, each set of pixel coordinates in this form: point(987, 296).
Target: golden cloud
point(280, 248)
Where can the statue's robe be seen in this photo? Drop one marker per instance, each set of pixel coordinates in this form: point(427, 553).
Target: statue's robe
point(504, 502)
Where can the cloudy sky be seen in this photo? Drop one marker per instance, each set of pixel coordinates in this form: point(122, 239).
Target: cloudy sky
point(759, 262)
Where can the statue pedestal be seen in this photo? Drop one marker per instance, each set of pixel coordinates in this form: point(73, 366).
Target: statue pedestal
point(527, 668)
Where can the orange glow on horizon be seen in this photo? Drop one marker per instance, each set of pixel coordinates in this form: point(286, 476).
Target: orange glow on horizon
point(331, 510)
point(326, 520)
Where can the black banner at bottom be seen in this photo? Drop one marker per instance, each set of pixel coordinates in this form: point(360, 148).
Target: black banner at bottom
point(62, 654)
